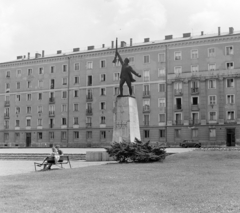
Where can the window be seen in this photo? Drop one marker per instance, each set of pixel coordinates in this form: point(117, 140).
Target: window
point(51, 109)
point(64, 68)
point(18, 73)
point(39, 122)
point(177, 70)
point(39, 96)
point(75, 107)
point(103, 120)
point(230, 115)
point(18, 85)
point(102, 135)
point(177, 55)
point(102, 77)
point(76, 135)
point(64, 81)
point(195, 101)
point(40, 83)
point(89, 135)
point(161, 72)
point(28, 84)
point(229, 66)
point(28, 122)
point(161, 133)
point(29, 97)
point(75, 121)
point(102, 105)
point(77, 66)
point(161, 87)
point(146, 89)
point(212, 99)
point(64, 121)
point(146, 75)
point(195, 84)
point(177, 133)
point(40, 70)
point(146, 134)
point(103, 91)
point(102, 63)
point(40, 109)
point(212, 84)
point(116, 76)
point(116, 91)
point(8, 74)
point(75, 93)
point(230, 82)
point(229, 50)
point(64, 108)
point(88, 121)
point(76, 80)
point(6, 136)
point(178, 87)
point(161, 57)
point(195, 118)
point(194, 54)
point(63, 135)
point(17, 124)
point(131, 60)
point(146, 119)
point(146, 59)
point(211, 67)
point(161, 102)
point(230, 99)
point(17, 110)
point(64, 94)
point(194, 68)
point(194, 133)
point(17, 136)
point(212, 116)
point(52, 69)
point(18, 97)
point(162, 118)
point(212, 133)
point(30, 71)
point(89, 65)
point(89, 80)
point(29, 110)
point(7, 86)
point(211, 52)
point(146, 105)
point(51, 135)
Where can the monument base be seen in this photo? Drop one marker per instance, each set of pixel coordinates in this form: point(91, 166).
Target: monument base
point(125, 120)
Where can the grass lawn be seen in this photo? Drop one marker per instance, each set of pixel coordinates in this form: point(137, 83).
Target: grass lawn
point(198, 181)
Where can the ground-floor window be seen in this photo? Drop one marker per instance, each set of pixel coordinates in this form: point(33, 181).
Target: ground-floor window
point(76, 135)
point(161, 133)
point(63, 135)
point(89, 135)
point(177, 133)
point(40, 136)
point(17, 136)
point(51, 135)
point(102, 135)
point(6, 137)
point(194, 133)
point(146, 133)
point(212, 133)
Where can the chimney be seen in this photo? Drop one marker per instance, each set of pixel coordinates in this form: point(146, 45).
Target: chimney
point(112, 44)
point(231, 30)
point(202, 33)
point(19, 57)
point(76, 49)
point(131, 41)
point(28, 55)
point(90, 48)
point(43, 53)
point(103, 45)
point(168, 37)
point(123, 44)
point(219, 31)
point(59, 51)
point(37, 55)
point(146, 40)
point(186, 35)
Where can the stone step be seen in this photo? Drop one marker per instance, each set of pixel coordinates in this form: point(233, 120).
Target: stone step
point(36, 156)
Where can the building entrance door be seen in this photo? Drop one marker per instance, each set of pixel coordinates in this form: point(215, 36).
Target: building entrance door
point(230, 137)
point(28, 139)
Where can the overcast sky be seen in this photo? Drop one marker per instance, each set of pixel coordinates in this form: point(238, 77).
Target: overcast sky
point(51, 25)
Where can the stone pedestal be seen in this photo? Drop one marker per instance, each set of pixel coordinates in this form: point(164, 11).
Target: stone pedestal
point(125, 120)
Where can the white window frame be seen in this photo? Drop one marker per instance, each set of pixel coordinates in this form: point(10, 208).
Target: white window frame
point(212, 132)
point(103, 89)
point(234, 115)
point(161, 102)
point(64, 92)
point(194, 68)
point(147, 57)
point(103, 63)
point(52, 69)
point(161, 72)
point(89, 65)
point(177, 70)
point(177, 55)
point(18, 73)
point(195, 97)
point(75, 66)
point(233, 99)
point(146, 77)
point(229, 68)
point(211, 101)
point(103, 79)
point(233, 83)
point(161, 57)
point(63, 81)
point(100, 105)
point(214, 117)
point(78, 80)
point(116, 76)
point(229, 52)
point(211, 54)
point(194, 55)
point(214, 83)
point(159, 115)
point(64, 65)
point(41, 69)
point(159, 87)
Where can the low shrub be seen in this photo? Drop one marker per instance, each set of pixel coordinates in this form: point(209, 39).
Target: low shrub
point(136, 152)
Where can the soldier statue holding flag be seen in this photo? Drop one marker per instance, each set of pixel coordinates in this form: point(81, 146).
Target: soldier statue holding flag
point(126, 73)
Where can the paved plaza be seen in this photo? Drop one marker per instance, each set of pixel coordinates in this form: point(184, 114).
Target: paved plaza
point(12, 167)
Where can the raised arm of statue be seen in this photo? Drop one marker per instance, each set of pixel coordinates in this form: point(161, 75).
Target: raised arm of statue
point(119, 57)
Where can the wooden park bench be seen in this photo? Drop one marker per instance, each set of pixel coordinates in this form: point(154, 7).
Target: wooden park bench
point(63, 160)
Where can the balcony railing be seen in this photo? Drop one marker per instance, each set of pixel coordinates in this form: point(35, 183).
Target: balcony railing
point(194, 121)
point(52, 86)
point(178, 92)
point(178, 122)
point(51, 125)
point(146, 94)
point(178, 107)
point(6, 115)
point(89, 112)
point(146, 108)
point(146, 123)
point(52, 100)
point(89, 98)
point(88, 125)
point(195, 90)
point(6, 126)
point(195, 107)
point(51, 114)
point(7, 103)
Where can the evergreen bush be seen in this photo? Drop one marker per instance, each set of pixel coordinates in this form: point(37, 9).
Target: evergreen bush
point(136, 152)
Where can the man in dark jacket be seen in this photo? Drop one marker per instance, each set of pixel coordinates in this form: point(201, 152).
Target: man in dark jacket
point(126, 74)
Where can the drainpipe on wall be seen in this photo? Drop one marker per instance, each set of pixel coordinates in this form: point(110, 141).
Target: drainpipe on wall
point(166, 91)
point(68, 104)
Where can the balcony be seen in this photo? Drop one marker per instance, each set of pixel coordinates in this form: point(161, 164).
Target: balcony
point(178, 92)
point(146, 108)
point(178, 107)
point(52, 100)
point(51, 126)
point(88, 125)
point(52, 86)
point(89, 98)
point(146, 123)
point(195, 90)
point(146, 94)
point(212, 121)
point(178, 122)
point(6, 115)
point(194, 121)
point(195, 107)
point(7, 103)
point(89, 112)
point(51, 114)
point(6, 126)
point(231, 120)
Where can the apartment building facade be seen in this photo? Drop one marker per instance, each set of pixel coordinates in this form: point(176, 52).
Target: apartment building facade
point(188, 90)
